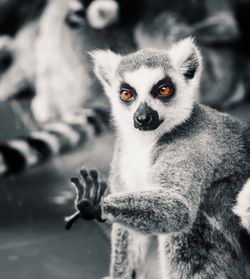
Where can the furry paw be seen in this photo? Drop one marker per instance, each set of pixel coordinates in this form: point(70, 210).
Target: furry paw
point(90, 190)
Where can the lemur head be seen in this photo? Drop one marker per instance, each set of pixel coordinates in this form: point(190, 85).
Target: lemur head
point(151, 90)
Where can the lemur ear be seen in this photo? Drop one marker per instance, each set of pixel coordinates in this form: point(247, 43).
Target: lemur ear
point(186, 57)
point(105, 64)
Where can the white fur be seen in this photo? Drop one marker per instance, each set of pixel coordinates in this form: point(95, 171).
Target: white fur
point(242, 207)
point(65, 130)
point(136, 171)
point(3, 167)
point(105, 64)
point(143, 80)
point(75, 5)
point(42, 109)
point(102, 13)
point(164, 263)
point(180, 52)
point(57, 67)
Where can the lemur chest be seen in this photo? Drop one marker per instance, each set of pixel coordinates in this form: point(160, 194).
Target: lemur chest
point(135, 163)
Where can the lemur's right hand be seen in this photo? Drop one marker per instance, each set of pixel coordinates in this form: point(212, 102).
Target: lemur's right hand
point(90, 190)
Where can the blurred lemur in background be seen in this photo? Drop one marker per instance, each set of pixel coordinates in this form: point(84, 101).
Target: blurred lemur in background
point(177, 170)
point(44, 58)
point(160, 23)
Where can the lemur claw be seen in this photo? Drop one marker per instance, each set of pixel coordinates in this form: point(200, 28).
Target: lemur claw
point(90, 190)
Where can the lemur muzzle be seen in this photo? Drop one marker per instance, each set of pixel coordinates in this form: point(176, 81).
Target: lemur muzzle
point(146, 119)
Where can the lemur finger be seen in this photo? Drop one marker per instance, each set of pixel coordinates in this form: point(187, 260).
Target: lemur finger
point(84, 173)
point(94, 175)
point(95, 188)
point(97, 193)
point(81, 189)
point(89, 183)
point(103, 187)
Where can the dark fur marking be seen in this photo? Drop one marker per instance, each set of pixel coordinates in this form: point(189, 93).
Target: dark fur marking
point(167, 82)
point(95, 123)
point(193, 64)
point(244, 239)
point(6, 60)
point(133, 274)
point(125, 86)
point(103, 115)
point(196, 246)
point(40, 147)
point(14, 160)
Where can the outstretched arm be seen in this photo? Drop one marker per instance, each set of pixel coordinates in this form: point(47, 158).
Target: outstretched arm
point(170, 205)
point(173, 202)
point(155, 211)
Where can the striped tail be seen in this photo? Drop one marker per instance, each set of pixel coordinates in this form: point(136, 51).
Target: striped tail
point(55, 138)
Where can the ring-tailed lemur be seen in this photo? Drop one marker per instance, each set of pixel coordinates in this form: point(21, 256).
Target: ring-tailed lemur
point(177, 169)
point(54, 138)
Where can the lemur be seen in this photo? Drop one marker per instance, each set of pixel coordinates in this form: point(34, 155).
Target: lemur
point(36, 61)
point(176, 170)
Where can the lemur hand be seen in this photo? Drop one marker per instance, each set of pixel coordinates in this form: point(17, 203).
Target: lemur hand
point(90, 190)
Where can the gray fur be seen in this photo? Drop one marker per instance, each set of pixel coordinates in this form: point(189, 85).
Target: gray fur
point(150, 58)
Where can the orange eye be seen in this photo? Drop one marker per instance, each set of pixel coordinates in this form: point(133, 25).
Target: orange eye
point(126, 95)
point(165, 91)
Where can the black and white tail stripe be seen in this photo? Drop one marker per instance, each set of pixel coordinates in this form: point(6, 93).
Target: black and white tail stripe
point(55, 138)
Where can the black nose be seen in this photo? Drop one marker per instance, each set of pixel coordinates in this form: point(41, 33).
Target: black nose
point(143, 119)
point(146, 118)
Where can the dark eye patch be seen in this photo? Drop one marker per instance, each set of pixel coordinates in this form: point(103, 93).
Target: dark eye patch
point(163, 82)
point(126, 86)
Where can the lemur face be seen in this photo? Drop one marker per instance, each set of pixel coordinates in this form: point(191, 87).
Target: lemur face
point(151, 90)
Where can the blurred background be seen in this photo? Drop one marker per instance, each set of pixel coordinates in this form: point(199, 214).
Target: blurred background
point(53, 113)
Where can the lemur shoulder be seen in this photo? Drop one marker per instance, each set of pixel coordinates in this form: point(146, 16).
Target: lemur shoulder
point(177, 169)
